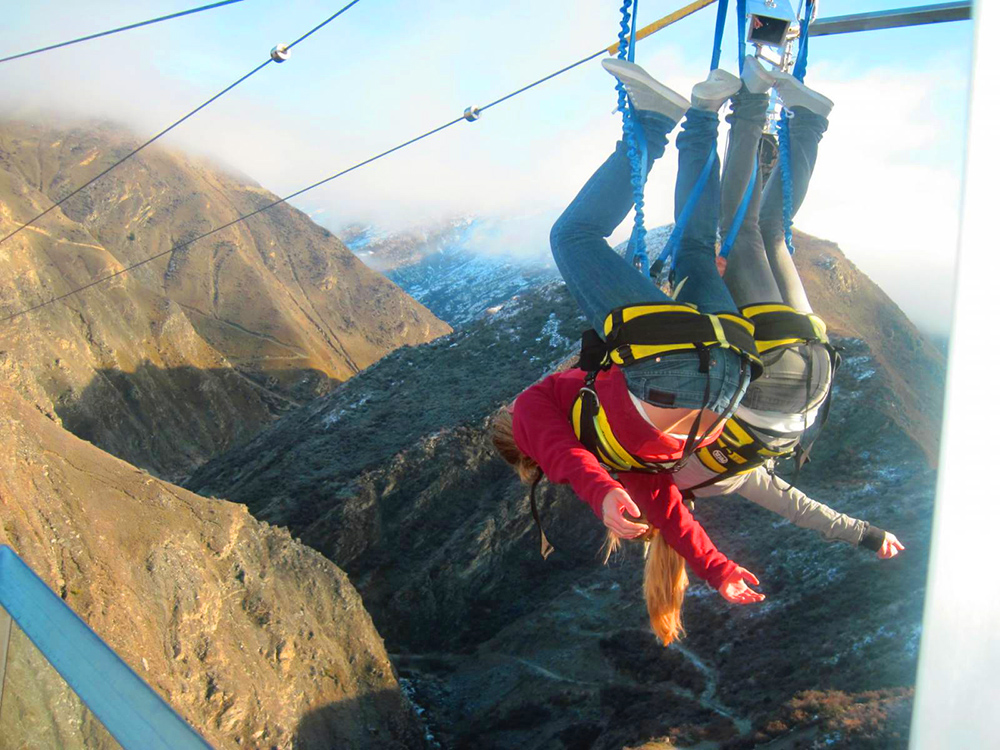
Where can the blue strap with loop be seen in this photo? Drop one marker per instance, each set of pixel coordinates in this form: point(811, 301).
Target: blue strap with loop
point(784, 136)
point(635, 139)
point(741, 211)
point(669, 254)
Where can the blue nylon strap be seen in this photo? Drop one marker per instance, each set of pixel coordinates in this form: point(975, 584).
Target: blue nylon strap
point(741, 213)
point(635, 140)
point(784, 135)
point(741, 32)
point(720, 27)
point(669, 254)
point(799, 71)
point(128, 708)
point(632, 39)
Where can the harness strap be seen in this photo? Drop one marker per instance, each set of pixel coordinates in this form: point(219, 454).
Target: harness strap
point(547, 548)
point(636, 333)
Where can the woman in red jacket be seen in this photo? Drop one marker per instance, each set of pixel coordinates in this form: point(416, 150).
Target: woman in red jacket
point(658, 410)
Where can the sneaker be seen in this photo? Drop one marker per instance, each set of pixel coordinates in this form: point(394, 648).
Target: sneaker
point(715, 90)
point(794, 93)
point(756, 77)
point(647, 94)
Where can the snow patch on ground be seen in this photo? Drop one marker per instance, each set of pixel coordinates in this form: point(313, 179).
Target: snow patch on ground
point(334, 417)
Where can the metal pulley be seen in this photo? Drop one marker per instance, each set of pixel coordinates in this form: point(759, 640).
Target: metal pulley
point(472, 113)
point(280, 53)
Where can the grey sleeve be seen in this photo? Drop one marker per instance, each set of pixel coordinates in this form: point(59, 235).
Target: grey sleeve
point(775, 494)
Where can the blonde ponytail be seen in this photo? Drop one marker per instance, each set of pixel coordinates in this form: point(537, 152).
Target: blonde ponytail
point(665, 577)
point(664, 582)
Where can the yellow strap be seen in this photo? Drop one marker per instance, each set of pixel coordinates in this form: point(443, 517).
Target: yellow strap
point(735, 432)
point(640, 351)
point(719, 333)
point(667, 20)
point(706, 457)
point(577, 410)
point(754, 310)
point(606, 436)
point(819, 326)
point(637, 311)
point(748, 325)
point(766, 346)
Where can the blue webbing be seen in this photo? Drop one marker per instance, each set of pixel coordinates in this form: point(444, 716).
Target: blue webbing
point(128, 708)
point(784, 136)
point(668, 255)
point(720, 27)
point(741, 212)
point(635, 140)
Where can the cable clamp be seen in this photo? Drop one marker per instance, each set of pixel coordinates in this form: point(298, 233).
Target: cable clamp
point(280, 53)
point(472, 114)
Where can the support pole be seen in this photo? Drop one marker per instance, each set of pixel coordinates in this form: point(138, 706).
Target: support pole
point(891, 19)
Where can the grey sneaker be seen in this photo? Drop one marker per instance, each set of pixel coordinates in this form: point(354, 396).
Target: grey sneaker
point(647, 94)
point(715, 90)
point(794, 93)
point(756, 77)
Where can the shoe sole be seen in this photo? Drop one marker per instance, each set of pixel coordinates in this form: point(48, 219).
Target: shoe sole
point(631, 74)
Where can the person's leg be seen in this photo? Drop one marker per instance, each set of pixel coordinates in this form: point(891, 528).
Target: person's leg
point(599, 279)
point(806, 129)
point(748, 272)
point(695, 272)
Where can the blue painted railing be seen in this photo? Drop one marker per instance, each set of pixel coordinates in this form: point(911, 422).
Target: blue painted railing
point(129, 709)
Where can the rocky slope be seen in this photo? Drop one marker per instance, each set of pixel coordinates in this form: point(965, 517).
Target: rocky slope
point(445, 268)
point(168, 364)
point(393, 477)
point(257, 640)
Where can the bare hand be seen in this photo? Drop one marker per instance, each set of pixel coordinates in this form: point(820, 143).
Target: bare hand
point(614, 507)
point(891, 547)
point(734, 588)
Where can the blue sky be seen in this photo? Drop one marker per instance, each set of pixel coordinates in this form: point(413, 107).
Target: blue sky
point(886, 186)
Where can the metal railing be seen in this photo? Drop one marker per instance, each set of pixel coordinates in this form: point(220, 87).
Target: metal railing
point(62, 686)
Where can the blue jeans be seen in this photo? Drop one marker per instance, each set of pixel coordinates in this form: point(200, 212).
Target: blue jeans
point(601, 280)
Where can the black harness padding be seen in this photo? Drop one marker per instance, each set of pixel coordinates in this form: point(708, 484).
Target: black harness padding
point(673, 328)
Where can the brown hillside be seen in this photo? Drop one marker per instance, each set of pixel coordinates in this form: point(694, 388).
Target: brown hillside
point(255, 639)
point(171, 363)
point(910, 369)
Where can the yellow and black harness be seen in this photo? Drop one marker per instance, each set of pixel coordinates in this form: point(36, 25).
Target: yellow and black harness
point(738, 449)
point(637, 333)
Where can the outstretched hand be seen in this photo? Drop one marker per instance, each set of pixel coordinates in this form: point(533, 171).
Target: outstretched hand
point(616, 508)
point(734, 588)
point(891, 547)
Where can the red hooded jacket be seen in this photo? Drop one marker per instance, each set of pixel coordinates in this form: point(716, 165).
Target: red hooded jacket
point(542, 430)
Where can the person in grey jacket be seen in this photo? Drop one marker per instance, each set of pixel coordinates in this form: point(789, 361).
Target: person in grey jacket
point(786, 400)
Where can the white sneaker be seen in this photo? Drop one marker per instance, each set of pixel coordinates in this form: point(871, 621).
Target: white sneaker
point(756, 77)
point(794, 93)
point(715, 90)
point(647, 94)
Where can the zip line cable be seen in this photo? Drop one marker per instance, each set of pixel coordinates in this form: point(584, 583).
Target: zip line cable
point(120, 28)
point(471, 114)
point(166, 130)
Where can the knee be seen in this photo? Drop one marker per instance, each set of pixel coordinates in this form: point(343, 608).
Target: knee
point(566, 231)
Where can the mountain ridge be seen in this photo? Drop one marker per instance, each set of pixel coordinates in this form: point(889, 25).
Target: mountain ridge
point(262, 315)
